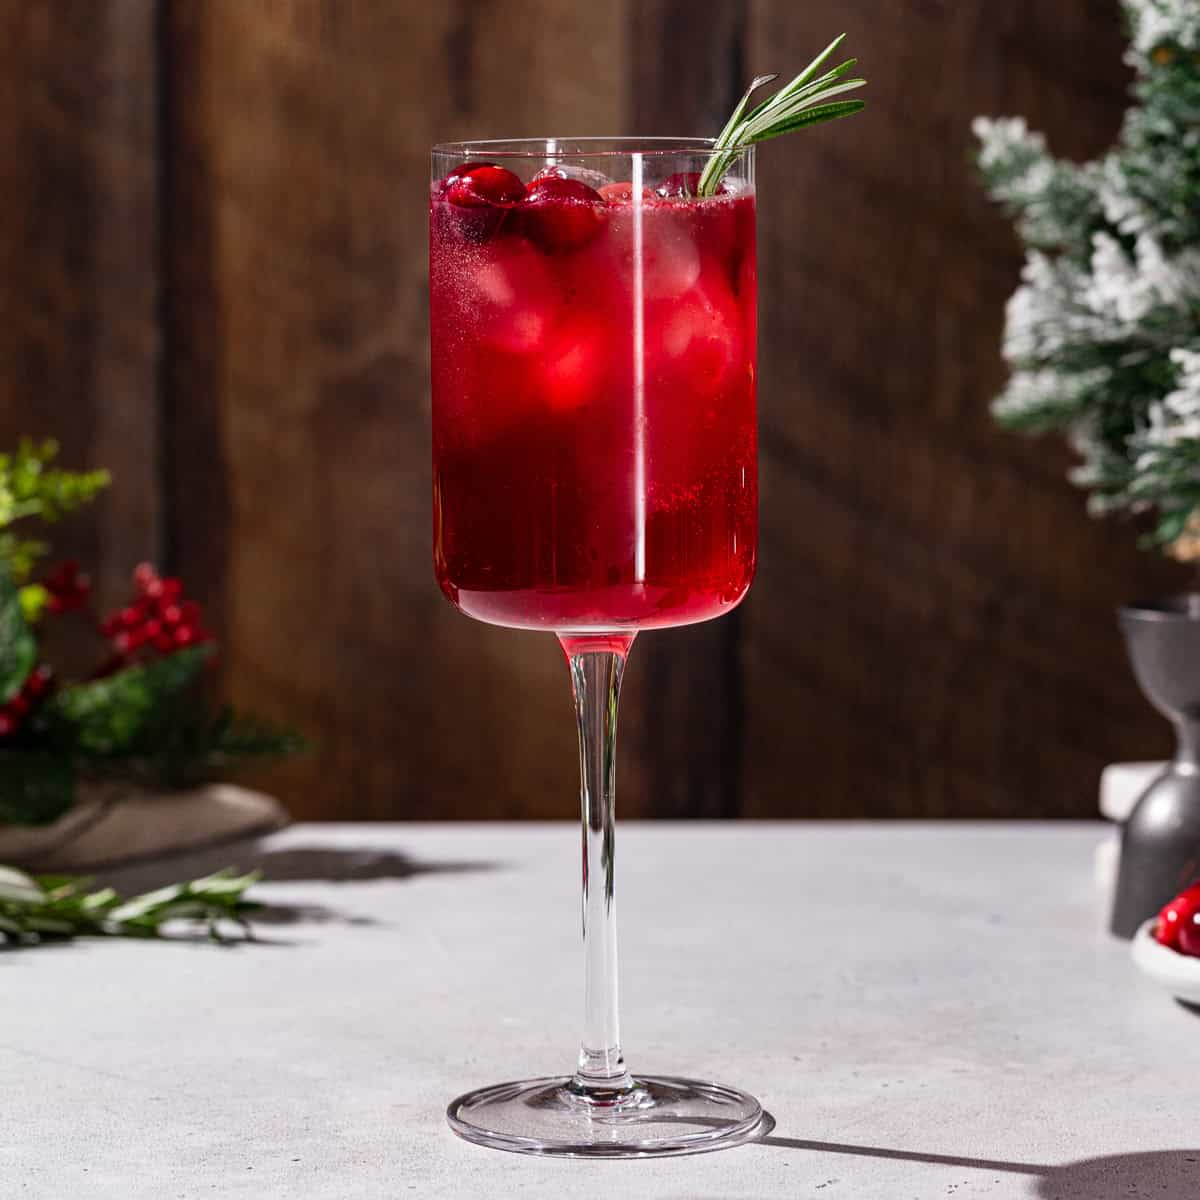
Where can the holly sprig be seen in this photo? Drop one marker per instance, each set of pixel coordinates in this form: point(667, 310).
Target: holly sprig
point(797, 105)
point(39, 908)
point(144, 716)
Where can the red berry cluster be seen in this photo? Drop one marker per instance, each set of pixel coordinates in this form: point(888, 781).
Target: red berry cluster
point(1178, 925)
point(68, 588)
point(160, 619)
point(33, 691)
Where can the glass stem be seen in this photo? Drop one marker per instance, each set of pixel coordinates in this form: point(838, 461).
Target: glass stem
point(597, 664)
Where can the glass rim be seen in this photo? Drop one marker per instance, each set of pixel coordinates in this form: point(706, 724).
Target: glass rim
point(583, 147)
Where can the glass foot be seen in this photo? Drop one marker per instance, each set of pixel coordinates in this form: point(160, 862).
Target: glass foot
point(659, 1115)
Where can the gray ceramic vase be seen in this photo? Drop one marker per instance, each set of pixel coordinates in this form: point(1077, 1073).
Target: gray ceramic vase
point(1160, 843)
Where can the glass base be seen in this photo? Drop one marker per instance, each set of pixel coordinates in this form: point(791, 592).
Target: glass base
point(659, 1115)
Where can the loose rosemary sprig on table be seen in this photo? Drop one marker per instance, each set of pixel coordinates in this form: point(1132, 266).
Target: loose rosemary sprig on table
point(34, 909)
point(799, 104)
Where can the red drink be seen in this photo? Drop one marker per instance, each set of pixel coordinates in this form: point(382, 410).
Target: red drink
point(594, 430)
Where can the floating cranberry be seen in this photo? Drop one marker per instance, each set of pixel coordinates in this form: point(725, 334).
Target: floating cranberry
point(485, 185)
point(562, 214)
point(680, 186)
point(593, 179)
point(480, 198)
point(439, 188)
point(622, 193)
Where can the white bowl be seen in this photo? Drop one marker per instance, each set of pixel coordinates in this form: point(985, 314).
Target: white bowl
point(1178, 973)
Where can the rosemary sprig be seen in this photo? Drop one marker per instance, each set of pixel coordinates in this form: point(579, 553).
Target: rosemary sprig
point(37, 908)
point(797, 105)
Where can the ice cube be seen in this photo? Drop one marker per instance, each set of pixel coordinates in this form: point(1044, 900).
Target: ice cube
point(512, 296)
point(576, 363)
point(670, 260)
point(594, 179)
point(694, 343)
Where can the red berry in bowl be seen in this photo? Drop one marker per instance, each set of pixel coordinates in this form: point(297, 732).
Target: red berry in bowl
point(1188, 938)
point(562, 214)
point(1175, 915)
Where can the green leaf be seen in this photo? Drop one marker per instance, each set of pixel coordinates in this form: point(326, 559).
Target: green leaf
point(21, 554)
point(780, 113)
point(736, 115)
point(59, 906)
point(813, 116)
point(30, 487)
point(35, 787)
point(107, 717)
point(18, 650)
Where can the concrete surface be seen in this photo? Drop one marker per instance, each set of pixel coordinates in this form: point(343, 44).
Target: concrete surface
point(926, 1011)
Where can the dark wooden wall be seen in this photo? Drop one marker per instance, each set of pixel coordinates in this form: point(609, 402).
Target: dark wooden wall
point(212, 237)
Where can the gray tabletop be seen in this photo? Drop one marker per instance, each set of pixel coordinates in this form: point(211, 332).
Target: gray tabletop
point(926, 1010)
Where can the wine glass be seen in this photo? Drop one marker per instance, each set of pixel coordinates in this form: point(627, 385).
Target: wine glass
point(593, 330)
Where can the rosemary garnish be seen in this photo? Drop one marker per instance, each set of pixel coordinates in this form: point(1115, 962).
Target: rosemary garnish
point(36, 908)
point(799, 104)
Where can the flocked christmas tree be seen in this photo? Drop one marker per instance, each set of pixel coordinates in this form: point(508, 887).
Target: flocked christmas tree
point(1103, 335)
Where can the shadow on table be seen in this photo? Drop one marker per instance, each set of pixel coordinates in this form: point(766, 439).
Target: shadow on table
point(1167, 1174)
point(289, 864)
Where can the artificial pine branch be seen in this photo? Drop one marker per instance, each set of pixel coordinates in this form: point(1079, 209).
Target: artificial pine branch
point(1103, 336)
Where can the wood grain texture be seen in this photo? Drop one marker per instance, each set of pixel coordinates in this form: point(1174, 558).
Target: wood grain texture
point(300, 396)
point(932, 630)
point(213, 255)
point(79, 344)
point(682, 714)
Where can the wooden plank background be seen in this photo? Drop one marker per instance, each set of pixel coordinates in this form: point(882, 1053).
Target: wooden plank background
point(213, 242)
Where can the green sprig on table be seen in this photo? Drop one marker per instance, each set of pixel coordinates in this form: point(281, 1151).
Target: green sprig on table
point(802, 103)
point(35, 909)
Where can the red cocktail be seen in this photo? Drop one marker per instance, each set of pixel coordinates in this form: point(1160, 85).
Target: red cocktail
point(594, 432)
point(592, 309)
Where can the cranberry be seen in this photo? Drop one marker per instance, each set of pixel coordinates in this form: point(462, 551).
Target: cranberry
point(1189, 934)
point(485, 185)
point(622, 193)
point(680, 186)
point(479, 198)
point(562, 214)
point(39, 681)
point(1175, 915)
point(439, 188)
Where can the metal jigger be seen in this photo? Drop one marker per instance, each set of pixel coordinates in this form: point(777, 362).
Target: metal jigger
point(1160, 843)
